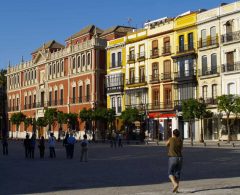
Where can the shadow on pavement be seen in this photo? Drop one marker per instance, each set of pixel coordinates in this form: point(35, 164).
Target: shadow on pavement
point(108, 167)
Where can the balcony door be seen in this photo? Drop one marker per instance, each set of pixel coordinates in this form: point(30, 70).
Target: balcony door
point(204, 65)
point(142, 74)
point(190, 41)
point(155, 72)
point(167, 96)
point(131, 75)
point(230, 61)
point(155, 47)
point(214, 63)
point(167, 69)
point(181, 43)
point(42, 98)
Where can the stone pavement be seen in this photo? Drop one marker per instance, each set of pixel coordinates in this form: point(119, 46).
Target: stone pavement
point(131, 170)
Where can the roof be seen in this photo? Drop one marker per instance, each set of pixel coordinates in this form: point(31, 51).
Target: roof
point(120, 29)
point(88, 29)
point(50, 45)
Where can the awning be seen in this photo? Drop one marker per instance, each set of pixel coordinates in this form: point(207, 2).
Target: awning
point(161, 115)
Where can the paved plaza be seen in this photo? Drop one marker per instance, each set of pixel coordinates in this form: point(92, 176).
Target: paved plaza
point(131, 170)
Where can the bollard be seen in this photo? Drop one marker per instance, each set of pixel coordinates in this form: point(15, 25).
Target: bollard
point(205, 144)
point(233, 145)
point(218, 144)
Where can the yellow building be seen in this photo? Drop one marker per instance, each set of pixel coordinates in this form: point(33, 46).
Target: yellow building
point(116, 64)
point(161, 46)
point(185, 62)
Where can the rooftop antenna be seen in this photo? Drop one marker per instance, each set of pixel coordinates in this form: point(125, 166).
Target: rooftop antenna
point(22, 60)
point(129, 20)
point(9, 64)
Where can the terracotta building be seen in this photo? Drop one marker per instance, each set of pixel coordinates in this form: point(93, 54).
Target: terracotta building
point(68, 78)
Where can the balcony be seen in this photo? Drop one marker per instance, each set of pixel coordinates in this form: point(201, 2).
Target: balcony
point(136, 81)
point(154, 78)
point(231, 67)
point(116, 64)
point(114, 89)
point(163, 106)
point(184, 50)
point(185, 75)
point(209, 72)
point(140, 107)
point(211, 101)
point(208, 43)
point(131, 58)
point(231, 37)
point(141, 56)
point(167, 76)
point(166, 50)
point(154, 53)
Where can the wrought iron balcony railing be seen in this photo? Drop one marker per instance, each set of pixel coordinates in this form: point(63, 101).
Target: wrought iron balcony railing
point(166, 76)
point(209, 71)
point(166, 50)
point(141, 56)
point(231, 67)
point(136, 80)
point(186, 74)
point(131, 58)
point(185, 48)
point(116, 64)
point(234, 36)
point(154, 78)
point(211, 41)
point(154, 53)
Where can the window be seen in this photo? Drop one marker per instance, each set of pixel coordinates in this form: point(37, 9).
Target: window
point(30, 102)
point(56, 96)
point(113, 103)
point(213, 35)
point(119, 62)
point(42, 99)
point(155, 47)
point(204, 37)
point(17, 103)
point(119, 103)
point(80, 94)
point(229, 30)
point(214, 63)
point(231, 88)
point(132, 75)
point(155, 72)
point(88, 92)
point(61, 96)
point(141, 51)
point(73, 63)
point(113, 60)
point(132, 53)
point(204, 92)
point(58, 68)
point(141, 74)
point(204, 65)
point(34, 101)
point(166, 42)
point(156, 97)
point(50, 98)
point(83, 60)
point(214, 91)
point(167, 97)
point(73, 95)
point(190, 41)
point(167, 69)
point(54, 70)
point(230, 61)
point(62, 67)
point(25, 101)
point(88, 59)
point(181, 43)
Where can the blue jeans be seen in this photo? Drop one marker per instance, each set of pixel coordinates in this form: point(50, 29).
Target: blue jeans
point(175, 166)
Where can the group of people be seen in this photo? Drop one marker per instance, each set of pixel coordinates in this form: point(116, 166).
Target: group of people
point(116, 139)
point(68, 143)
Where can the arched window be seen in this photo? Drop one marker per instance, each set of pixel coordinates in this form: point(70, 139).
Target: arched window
point(73, 63)
point(204, 65)
point(54, 68)
point(78, 61)
point(213, 35)
point(204, 38)
point(214, 63)
point(83, 60)
point(62, 68)
point(231, 88)
point(58, 68)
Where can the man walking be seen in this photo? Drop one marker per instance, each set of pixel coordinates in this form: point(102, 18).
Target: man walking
point(175, 146)
point(84, 151)
point(51, 143)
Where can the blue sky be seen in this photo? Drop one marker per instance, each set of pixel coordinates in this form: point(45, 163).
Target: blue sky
point(26, 24)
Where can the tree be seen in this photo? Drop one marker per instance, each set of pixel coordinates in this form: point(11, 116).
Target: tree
point(27, 122)
point(201, 112)
point(226, 103)
point(190, 112)
point(40, 123)
point(71, 120)
point(86, 116)
point(50, 116)
point(16, 119)
point(61, 119)
point(129, 116)
point(110, 118)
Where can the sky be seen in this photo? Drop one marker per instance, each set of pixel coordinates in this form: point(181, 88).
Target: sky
point(26, 24)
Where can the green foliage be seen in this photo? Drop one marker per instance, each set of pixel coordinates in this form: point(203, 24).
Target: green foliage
point(17, 118)
point(71, 119)
point(226, 103)
point(85, 115)
point(61, 118)
point(50, 116)
point(3, 78)
point(27, 122)
point(41, 122)
point(130, 115)
point(190, 109)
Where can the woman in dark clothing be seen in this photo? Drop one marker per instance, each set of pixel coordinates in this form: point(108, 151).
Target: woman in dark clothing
point(66, 145)
point(32, 145)
point(41, 147)
point(175, 146)
point(26, 144)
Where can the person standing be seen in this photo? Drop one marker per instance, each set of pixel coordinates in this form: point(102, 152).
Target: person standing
point(51, 143)
point(5, 145)
point(65, 144)
point(84, 151)
point(32, 146)
point(41, 147)
point(71, 141)
point(26, 144)
point(175, 145)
